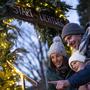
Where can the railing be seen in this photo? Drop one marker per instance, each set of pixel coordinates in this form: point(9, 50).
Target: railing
point(23, 76)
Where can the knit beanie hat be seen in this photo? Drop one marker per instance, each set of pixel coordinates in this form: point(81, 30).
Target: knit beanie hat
point(76, 56)
point(72, 29)
point(57, 47)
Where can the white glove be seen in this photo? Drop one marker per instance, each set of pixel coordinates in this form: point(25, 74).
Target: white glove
point(76, 56)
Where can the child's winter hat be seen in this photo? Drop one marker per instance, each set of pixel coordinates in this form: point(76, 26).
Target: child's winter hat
point(76, 56)
point(57, 47)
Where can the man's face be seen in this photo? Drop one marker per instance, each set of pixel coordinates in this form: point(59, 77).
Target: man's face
point(73, 41)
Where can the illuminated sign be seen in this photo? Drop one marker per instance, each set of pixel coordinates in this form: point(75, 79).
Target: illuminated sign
point(30, 15)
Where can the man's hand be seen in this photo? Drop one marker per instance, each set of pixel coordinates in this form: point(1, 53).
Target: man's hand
point(52, 82)
point(60, 84)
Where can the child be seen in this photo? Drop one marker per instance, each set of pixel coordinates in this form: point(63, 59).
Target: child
point(77, 64)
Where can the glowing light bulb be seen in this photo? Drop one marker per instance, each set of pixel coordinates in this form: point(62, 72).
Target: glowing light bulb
point(37, 8)
point(45, 4)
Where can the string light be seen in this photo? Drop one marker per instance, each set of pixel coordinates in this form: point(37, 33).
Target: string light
point(3, 35)
point(37, 8)
point(28, 4)
point(18, 1)
point(45, 4)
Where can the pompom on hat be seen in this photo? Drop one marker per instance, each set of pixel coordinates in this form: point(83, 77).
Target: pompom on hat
point(57, 47)
point(76, 56)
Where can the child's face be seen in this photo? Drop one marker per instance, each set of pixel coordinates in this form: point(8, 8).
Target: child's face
point(76, 65)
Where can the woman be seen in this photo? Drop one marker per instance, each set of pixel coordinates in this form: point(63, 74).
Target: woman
point(58, 68)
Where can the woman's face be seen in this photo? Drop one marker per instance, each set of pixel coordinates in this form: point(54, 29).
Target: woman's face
point(57, 59)
point(76, 65)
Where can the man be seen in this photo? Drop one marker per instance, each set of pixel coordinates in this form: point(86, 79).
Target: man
point(72, 34)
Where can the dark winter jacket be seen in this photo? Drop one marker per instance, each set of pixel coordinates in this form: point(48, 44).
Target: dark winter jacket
point(80, 78)
point(83, 76)
point(60, 74)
